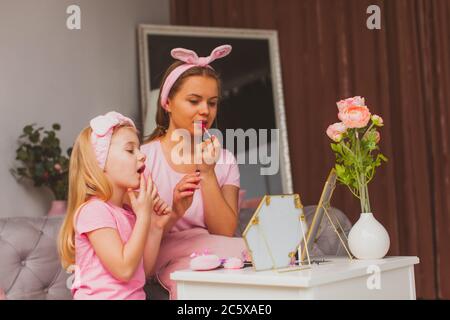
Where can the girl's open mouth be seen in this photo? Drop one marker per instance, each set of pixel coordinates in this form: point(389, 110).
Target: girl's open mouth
point(141, 169)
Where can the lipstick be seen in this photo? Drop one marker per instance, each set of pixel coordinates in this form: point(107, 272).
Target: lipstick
point(206, 130)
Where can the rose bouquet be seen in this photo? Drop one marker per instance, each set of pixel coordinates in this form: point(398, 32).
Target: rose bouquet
point(356, 140)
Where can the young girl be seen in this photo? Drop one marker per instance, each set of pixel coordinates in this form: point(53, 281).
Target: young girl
point(101, 238)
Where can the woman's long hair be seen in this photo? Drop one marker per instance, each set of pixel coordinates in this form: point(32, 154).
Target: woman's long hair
point(162, 116)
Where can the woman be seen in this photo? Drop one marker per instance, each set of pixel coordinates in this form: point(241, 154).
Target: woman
point(204, 191)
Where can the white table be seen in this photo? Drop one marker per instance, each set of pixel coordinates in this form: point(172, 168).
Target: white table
point(341, 278)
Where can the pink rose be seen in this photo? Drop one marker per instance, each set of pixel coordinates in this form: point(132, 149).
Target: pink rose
point(355, 101)
point(354, 116)
point(57, 167)
point(336, 131)
point(377, 120)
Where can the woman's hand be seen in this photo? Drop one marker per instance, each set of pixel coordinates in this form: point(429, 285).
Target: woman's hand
point(210, 152)
point(183, 194)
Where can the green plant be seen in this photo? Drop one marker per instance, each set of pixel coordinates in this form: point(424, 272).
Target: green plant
point(356, 148)
point(41, 160)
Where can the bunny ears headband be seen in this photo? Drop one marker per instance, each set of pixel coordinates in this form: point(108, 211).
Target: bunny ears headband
point(102, 130)
point(191, 60)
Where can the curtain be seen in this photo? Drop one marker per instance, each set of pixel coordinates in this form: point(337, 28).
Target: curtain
point(403, 71)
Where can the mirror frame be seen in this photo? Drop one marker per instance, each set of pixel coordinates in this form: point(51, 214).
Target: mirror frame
point(266, 204)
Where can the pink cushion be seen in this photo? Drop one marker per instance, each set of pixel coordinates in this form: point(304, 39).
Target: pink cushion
point(2, 294)
point(205, 262)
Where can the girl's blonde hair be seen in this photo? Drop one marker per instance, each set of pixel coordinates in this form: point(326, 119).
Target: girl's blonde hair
point(86, 179)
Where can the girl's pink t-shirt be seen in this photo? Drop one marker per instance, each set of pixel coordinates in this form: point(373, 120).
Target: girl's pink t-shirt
point(166, 178)
point(92, 279)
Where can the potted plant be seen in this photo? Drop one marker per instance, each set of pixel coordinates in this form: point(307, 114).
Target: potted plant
point(41, 160)
point(355, 145)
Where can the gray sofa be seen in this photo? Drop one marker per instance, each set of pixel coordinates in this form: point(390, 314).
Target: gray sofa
point(29, 264)
point(30, 269)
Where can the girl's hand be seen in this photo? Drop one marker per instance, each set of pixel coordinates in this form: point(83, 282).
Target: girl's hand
point(160, 207)
point(210, 152)
point(143, 204)
point(160, 219)
point(183, 194)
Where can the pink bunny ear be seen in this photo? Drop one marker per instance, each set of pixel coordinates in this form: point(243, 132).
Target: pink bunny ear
point(191, 60)
point(220, 52)
point(102, 129)
point(102, 124)
point(185, 55)
point(120, 118)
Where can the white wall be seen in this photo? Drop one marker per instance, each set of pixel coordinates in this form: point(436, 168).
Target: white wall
point(51, 74)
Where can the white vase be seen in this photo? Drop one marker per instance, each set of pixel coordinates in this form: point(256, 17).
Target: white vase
point(368, 239)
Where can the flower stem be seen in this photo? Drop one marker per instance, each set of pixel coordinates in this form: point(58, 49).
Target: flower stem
point(363, 194)
point(370, 127)
point(360, 179)
point(349, 150)
point(353, 192)
point(367, 199)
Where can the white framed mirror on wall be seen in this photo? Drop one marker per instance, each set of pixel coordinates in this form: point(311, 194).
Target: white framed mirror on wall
point(252, 96)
